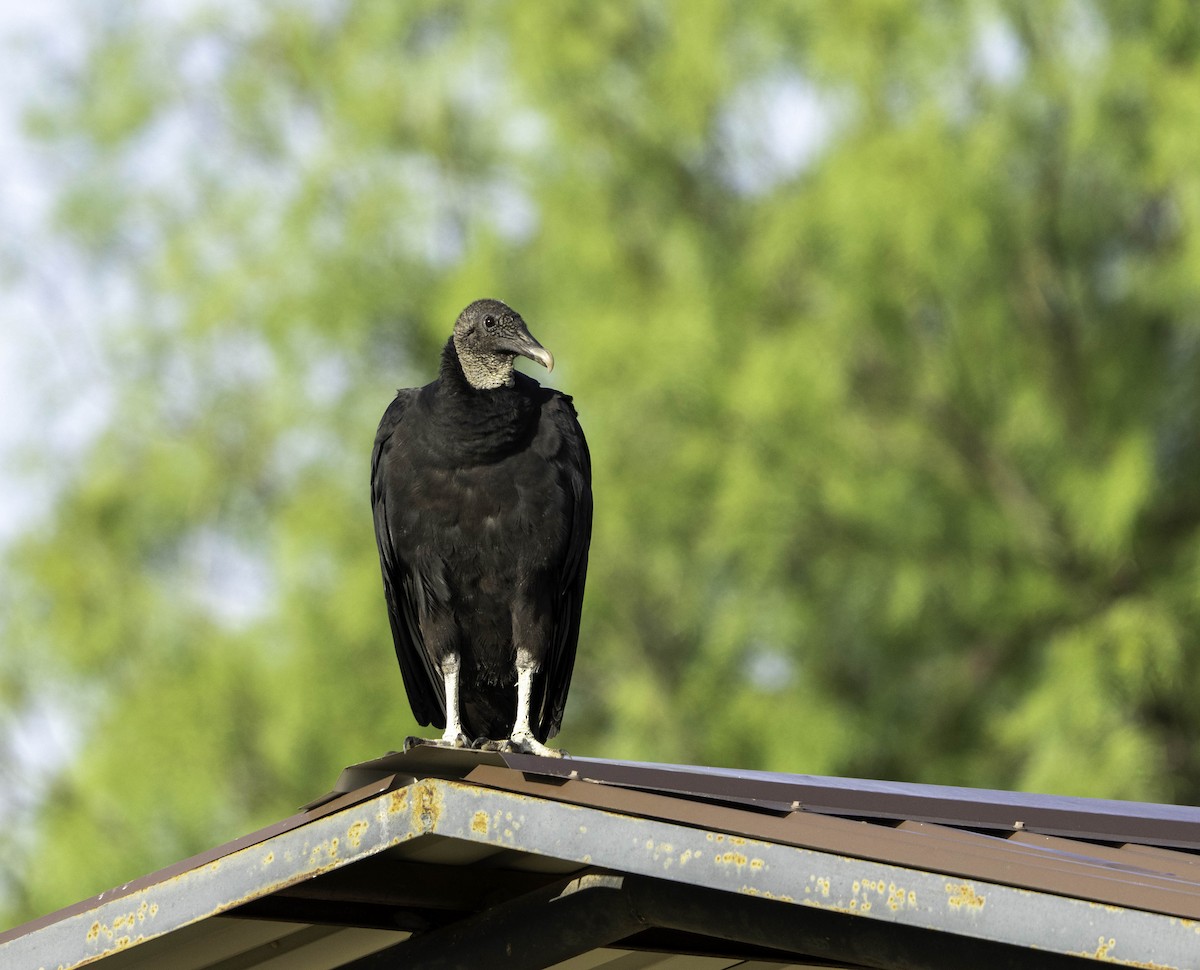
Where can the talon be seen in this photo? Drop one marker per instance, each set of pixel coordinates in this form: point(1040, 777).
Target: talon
point(528, 744)
point(457, 741)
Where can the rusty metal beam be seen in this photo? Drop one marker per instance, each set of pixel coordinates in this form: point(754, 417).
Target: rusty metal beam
point(918, 844)
point(876, 896)
point(827, 880)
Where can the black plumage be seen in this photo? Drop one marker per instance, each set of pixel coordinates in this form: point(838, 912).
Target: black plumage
point(481, 488)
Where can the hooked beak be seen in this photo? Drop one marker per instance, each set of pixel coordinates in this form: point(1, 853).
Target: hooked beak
point(541, 355)
point(526, 346)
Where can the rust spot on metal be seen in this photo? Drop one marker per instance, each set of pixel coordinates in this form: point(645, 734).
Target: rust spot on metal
point(1104, 951)
point(962, 894)
point(765, 894)
point(426, 805)
point(356, 831)
point(1107, 957)
point(479, 822)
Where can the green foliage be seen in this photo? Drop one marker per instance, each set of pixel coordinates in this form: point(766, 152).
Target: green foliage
point(895, 436)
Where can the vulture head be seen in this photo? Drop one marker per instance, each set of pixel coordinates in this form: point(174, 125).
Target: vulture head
point(488, 336)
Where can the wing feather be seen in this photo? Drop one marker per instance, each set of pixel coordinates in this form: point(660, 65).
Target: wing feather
point(575, 469)
point(401, 584)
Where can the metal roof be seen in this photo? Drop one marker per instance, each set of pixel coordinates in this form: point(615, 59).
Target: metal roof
point(438, 857)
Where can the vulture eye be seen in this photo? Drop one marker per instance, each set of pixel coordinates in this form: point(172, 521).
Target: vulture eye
point(489, 322)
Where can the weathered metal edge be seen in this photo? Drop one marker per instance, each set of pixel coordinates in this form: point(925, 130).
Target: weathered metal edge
point(119, 920)
point(593, 837)
point(1175, 826)
point(806, 877)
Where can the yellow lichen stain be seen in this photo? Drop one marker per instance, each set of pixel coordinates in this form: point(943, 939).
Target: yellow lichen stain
point(1104, 949)
point(736, 840)
point(963, 894)
point(268, 858)
point(757, 864)
point(731, 859)
point(479, 823)
point(356, 832)
point(141, 913)
point(912, 898)
point(93, 933)
point(398, 802)
point(583, 830)
point(153, 910)
point(649, 845)
point(427, 805)
point(823, 885)
point(508, 834)
point(765, 894)
point(333, 847)
point(898, 898)
point(685, 856)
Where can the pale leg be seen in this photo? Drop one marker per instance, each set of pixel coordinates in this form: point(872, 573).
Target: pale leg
point(453, 734)
point(522, 734)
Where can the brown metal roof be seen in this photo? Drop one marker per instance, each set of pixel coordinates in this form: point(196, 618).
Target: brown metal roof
point(436, 857)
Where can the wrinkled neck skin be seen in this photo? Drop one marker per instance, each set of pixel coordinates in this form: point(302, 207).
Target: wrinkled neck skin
point(484, 372)
point(481, 424)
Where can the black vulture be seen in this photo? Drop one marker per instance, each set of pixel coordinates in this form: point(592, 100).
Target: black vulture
point(481, 485)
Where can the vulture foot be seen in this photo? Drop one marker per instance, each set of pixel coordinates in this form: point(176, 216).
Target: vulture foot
point(528, 744)
point(458, 742)
point(518, 744)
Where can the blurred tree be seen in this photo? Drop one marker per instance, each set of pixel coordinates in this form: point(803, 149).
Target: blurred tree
point(880, 319)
